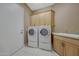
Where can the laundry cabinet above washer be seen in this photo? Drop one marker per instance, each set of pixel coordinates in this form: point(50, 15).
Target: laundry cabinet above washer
point(43, 18)
point(35, 20)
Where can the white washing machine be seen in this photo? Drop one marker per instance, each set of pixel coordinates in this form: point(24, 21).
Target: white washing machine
point(45, 37)
point(33, 36)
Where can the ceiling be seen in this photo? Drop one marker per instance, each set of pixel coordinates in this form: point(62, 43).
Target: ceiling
point(36, 6)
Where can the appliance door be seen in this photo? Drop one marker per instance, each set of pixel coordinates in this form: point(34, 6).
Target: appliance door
point(44, 32)
point(32, 34)
point(44, 35)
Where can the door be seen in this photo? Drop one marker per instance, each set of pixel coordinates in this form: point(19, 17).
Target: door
point(11, 28)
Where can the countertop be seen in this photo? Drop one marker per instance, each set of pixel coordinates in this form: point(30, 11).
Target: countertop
point(75, 36)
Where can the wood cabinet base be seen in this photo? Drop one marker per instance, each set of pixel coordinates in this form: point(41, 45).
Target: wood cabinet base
point(65, 47)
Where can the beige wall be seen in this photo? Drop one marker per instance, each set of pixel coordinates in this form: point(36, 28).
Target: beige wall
point(27, 16)
point(66, 18)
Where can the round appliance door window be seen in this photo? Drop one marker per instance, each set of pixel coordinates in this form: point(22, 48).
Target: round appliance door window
point(44, 32)
point(31, 31)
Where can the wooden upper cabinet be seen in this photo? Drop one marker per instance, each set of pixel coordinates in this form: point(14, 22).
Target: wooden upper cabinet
point(43, 18)
point(48, 18)
point(35, 20)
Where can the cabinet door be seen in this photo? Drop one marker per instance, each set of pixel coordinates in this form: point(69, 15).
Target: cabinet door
point(35, 20)
point(45, 18)
point(41, 15)
point(71, 50)
point(32, 20)
point(58, 46)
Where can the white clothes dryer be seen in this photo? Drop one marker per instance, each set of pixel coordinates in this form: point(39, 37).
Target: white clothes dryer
point(33, 36)
point(45, 37)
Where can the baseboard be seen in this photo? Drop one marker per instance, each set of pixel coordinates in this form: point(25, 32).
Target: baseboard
point(16, 51)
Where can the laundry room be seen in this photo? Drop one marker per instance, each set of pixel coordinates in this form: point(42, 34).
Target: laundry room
point(39, 29)
point(52, 27)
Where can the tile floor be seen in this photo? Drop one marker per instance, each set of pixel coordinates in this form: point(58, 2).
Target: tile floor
point(28, 51)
